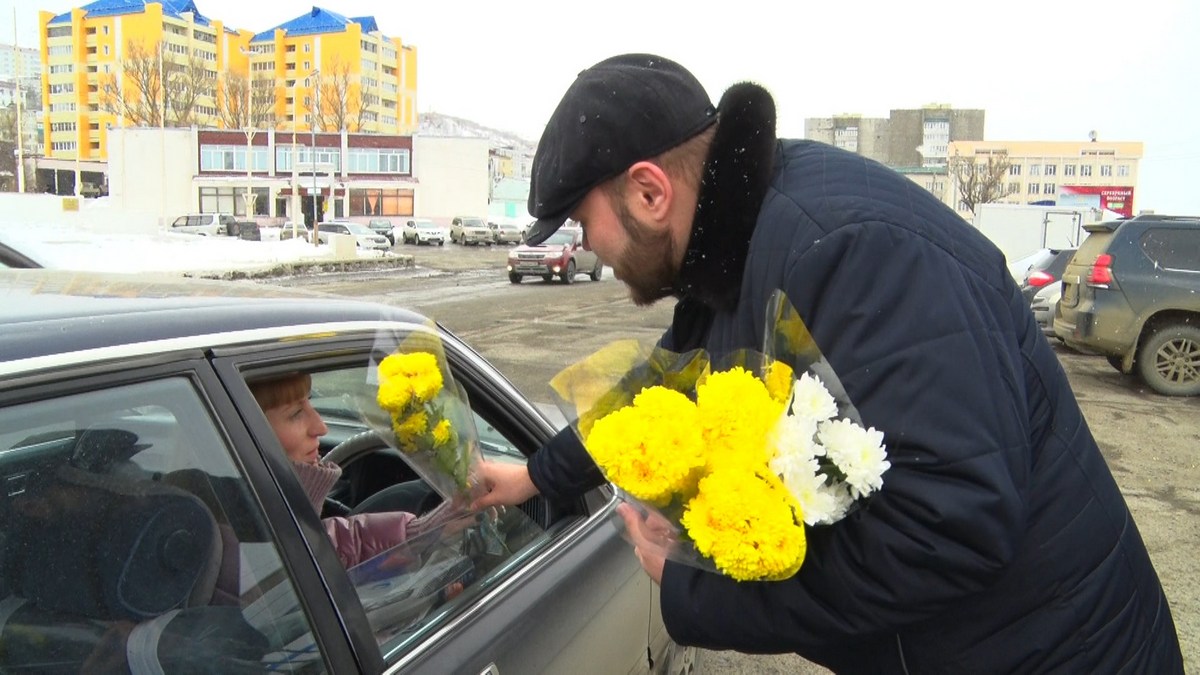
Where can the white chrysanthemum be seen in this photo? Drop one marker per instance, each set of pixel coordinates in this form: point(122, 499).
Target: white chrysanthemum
point(795, 437)
point(857, 452)
point(812, 400)
point(819, 503)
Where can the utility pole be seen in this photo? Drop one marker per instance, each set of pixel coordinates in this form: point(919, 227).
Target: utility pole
point(249, 129)
point(312, 126)
point(20, 131)
point(162, 127)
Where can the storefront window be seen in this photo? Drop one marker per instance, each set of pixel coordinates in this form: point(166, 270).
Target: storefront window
point(381, 202)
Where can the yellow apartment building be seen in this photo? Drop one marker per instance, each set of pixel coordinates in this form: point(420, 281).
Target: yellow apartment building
point(89, 55)
point(336, 73)
point(103, 64)
point(1096, 173)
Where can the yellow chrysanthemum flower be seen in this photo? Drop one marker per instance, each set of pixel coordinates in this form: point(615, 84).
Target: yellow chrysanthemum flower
point(411, 375)
point(748, 525)
point(737, 412)
point(442, 433)
point(409, 429)
point(652, 449)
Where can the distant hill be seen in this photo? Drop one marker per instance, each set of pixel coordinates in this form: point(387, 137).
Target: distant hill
point(437, 124)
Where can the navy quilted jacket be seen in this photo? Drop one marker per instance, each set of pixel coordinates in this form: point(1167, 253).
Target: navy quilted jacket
point(1000, 542)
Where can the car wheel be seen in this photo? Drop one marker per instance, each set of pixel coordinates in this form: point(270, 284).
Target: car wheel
point(441, 243)
point(597, 271)
point(514, 277)
point(568, 275)
point(1169, 360)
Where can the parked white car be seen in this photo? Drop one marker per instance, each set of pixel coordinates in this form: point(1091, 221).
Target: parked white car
point(424, 231)
point(206, 224)
point(364, 237)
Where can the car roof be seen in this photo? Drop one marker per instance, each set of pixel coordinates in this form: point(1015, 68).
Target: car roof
point(49, 312)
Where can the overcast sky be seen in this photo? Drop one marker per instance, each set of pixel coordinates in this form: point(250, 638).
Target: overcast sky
point(1042, 69)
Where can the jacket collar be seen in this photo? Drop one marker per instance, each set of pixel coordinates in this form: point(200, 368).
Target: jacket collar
point(736, 177)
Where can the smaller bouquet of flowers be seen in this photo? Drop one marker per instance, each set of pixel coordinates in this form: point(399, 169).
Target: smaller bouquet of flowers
point(425, 415)
point(730, 460)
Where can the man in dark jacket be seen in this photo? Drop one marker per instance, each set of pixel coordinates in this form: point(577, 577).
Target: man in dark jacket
point(1000, 542)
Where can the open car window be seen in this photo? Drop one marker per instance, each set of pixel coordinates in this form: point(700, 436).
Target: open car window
point(419, 584)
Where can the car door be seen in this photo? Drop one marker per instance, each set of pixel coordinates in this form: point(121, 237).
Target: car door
point(191, 560)
point(557, 591)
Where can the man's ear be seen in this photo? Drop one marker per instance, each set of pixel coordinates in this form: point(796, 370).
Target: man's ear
point(649, 192)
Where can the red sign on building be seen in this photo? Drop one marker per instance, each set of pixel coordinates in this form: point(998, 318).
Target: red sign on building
point(1113, 198)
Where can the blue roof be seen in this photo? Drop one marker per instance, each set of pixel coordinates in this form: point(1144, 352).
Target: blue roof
point(172, 8)
point(316, 22)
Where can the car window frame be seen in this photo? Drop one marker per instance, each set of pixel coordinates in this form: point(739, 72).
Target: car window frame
point(283, 524)
point(594, 510)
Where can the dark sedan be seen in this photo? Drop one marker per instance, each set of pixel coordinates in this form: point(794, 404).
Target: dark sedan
point(152, 522)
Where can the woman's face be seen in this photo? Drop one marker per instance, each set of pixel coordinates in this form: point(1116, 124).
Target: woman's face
point(299, 427)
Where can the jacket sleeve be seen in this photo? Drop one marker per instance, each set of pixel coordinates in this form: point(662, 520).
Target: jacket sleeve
point(562, 469)
point(359, 537)
point(927, 350)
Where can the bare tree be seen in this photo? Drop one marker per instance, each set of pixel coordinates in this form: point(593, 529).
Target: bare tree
point(979, 182)
point(153, 89)
point(339, 103)
point(136, 92)
point(8, 123)
point(187, 80)
point(232, 102)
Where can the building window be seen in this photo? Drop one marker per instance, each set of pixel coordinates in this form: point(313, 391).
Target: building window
point(1085, 170)
point(1034, 188)
point(1035, 169)
point(1049, 189)
point(378, 160)
point(381, 202)
point(1014, 170)
point(58, 31)
point(1051, 169)
point(231, 158)
point(304, 158)
point(1123, 170)
point(1068, 169)
point(105, 30)
point(60, 50)
point(1106, 170)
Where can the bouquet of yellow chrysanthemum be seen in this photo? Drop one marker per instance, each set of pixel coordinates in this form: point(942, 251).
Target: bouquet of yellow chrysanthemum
point(735, 458)
point(427, 417)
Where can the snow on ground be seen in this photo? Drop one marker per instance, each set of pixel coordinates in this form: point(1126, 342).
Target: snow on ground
point(108, 249)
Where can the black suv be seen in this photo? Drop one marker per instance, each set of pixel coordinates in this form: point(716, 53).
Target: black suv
point(1132, 294)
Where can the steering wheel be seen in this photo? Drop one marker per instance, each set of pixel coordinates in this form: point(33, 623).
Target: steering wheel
point(353, 448)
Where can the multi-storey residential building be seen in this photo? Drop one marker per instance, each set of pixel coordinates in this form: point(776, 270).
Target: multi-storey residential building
point(336, 73)
point(906, 138)
point(1097, 174)
point(23, 62)
point(103, 64)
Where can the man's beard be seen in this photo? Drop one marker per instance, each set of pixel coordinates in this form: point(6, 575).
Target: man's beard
point(647, 263)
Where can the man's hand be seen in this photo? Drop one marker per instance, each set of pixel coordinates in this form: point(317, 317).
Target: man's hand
point(507, 484)
point(650, 537)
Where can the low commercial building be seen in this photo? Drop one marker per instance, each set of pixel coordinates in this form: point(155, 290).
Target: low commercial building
point(280, 177)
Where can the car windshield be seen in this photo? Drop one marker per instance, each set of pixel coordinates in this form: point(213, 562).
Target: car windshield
point(473, 222)
point(356, 228)
point(423, 224)
point(560, 238)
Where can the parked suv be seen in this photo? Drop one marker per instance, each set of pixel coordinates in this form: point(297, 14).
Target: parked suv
point(470, 230)
point(1132, 293)
point(209, 224)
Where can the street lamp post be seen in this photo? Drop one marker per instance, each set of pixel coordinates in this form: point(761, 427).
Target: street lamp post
point(249, 129)
point(20, 129)
point(312, 127)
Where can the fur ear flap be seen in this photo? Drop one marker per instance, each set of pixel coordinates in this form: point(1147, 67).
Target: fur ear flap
point(737, 174)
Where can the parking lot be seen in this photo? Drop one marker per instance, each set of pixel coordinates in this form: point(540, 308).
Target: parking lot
point(532, 330)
